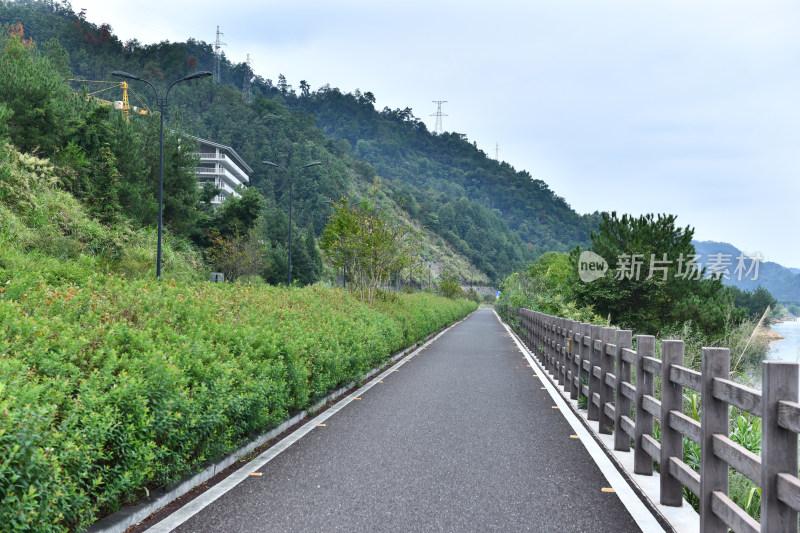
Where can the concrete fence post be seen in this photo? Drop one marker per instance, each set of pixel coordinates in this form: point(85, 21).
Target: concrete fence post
point(586, 351)
point(562, 354)
point(576, 358)
point(671, 440)
point(531, 332)
point(529, 329)
point(545, 341)
point(565, 358)
point(594, 382)
point(778, 446)
point(642, 462)
point(622, 441)
point(569, 368)
point(557, 352)
point(553, 346)
point(546, 333)
point(539, 336)
point(714, 420)
point(606, 423)
point(546, 352)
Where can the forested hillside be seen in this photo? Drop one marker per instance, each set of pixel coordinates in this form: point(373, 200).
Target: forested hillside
point(497, 218)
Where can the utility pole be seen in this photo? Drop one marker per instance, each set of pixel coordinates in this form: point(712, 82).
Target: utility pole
point(496, 152)
point(438, 128)
point(218, 55)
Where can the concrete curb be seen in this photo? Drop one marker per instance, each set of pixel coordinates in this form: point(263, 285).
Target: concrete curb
point(126, 517)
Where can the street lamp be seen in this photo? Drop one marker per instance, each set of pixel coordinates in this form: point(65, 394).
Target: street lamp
point(162, 105)
point(291, 187)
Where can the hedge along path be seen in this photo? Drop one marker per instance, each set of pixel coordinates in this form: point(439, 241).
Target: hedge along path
point(115, 388)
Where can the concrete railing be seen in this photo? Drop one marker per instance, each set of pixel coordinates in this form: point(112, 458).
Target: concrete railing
point(598, 363)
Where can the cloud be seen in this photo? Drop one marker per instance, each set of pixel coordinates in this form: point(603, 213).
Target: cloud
point(686, 107)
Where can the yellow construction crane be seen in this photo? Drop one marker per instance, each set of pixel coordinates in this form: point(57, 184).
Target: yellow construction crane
point(124, 104)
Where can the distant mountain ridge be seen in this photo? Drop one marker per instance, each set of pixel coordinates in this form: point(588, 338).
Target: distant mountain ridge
point(781, 281)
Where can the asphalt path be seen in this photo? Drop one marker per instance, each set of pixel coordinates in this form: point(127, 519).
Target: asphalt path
point(462, 437)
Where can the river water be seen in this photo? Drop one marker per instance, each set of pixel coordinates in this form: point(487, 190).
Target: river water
point(787, 349)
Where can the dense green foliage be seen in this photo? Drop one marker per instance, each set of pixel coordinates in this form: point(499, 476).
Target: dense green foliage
point(46, 229)
point(754, 302)
point(651, 283)
point(109, 164)
point(547, 286)
point(114, 386)
point(449, 286)
point(486, 211)
point(651, 286)
point(498, 217)
point(371, 247)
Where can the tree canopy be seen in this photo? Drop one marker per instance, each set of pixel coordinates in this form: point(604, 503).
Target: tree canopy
point(653, 281)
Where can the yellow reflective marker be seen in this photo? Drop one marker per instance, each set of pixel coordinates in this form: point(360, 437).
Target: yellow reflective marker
point(380, 381)
point(544, 388)
point(356, 398)
point(320, 425)
point(555, 407)
point(574, 437)
point(608, 489)
point(396, 370)
point(256, 474)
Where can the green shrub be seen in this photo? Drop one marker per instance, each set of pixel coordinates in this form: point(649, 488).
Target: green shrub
point(112, 387)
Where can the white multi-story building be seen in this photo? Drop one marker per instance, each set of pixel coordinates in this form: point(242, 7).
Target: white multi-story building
point(222, 166)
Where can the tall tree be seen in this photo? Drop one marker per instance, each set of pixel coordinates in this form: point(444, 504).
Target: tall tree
point(652, 281)
point(369, 244)
point(35, 93)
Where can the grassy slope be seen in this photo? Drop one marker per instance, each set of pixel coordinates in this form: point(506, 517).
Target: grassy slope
point(111, 383)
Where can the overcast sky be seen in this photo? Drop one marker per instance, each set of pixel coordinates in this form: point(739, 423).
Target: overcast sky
point(685, 106)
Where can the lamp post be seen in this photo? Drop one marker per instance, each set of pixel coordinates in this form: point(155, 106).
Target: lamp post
point(162, 106)
point(291, 188)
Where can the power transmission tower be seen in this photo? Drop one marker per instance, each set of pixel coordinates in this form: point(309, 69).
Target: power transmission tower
point(218, 55)
point(496, 152)
point(438, 115)
point(247, 84)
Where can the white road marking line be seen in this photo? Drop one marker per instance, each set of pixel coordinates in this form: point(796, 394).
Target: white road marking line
point(204, 500)
point(640, 513)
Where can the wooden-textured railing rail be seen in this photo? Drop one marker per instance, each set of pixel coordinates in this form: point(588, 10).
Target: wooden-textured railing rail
point(597, 363)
